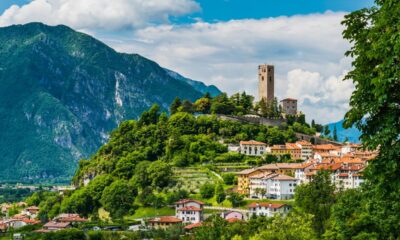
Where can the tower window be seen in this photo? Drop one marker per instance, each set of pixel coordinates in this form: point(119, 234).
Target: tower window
point(270, 79)
point(262, 78)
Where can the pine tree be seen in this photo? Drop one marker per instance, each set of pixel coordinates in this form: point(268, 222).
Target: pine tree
point(173, 108)
point(335, 136)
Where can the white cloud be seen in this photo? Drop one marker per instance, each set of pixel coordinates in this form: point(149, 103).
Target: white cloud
point(227, 54)
point(307, 50)
point(321, 98)
point(98, 14)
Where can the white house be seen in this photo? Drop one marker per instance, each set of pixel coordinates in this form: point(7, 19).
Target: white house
point(273, 185)
point(306, 150)
point(267, 209)
point(190, 211)
point(252, 148)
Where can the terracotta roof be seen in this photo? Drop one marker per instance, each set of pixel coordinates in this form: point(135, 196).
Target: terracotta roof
point(232, 220)
point(273, 166)
point(190, 208)
point(264, 204)
point(343, 175)
point(325, 147)
point(331, 167)
point(165, 219)
point(183, 201)
point(303, 142)
point(252, 142)
point(54, 224)
point(279, 147)
point(292, 146)
point(70, 217)
point(282, 177)
point(193, 225)
point(42, 231)
point(32, 208)
point(247, 171)
point(288, 99)
point(303, 165)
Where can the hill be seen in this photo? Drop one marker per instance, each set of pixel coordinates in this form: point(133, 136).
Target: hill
point(352, 134)
point(63, 92)
point(199, 86)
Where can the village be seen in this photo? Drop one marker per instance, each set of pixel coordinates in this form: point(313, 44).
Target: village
point(269, 188)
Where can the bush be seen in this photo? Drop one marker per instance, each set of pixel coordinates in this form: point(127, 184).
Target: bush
point(207, 190)
point(229, 178)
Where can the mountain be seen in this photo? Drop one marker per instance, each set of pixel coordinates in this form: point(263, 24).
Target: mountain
point(199, 86)
point(61, 94)
point(352, 134)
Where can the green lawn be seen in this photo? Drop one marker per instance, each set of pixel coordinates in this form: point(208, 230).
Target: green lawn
point(147, 212)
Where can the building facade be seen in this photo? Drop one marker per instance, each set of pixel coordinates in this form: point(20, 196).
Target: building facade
point(267, 209)
point(189, 211)
point(266, 82)
point(289, 106)
point(252, 148)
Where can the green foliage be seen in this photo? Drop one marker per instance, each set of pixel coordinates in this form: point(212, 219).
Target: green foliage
point(55, 114)
point(118, 198)
point(207, 190)
point(317, 198)
point(220, 193)
point(175, 105)
point(13, 195)
point(229, 178)
point(295, 226)
point(236, 199)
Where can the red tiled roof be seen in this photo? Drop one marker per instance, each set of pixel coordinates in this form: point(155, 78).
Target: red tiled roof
point(190, 208)
point(32, 208)
point(252, 142)
point(193, 225)
point(264, 204)
point(183, 201)
point(165, 219)
point(232, 220)
point(56, 224)
point(288, 99)
point(343, 175)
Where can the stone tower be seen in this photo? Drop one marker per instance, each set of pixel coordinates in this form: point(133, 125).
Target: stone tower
point(266, 80)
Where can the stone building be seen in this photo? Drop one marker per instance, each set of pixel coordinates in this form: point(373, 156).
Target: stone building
point(266, 82)
point(289, 106)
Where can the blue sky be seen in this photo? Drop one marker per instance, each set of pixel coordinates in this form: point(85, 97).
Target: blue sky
point(222, 42)
point(223, 10)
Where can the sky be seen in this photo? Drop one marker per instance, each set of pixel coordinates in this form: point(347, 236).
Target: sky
point(221, 42)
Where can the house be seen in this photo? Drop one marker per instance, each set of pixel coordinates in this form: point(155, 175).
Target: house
point(306, 150)
point(289, 106)
point(275, 186)
point(288, 149)
point(243, 179)
point(189, 211)
point(16, 223)
point(301, 170)
point(267, 209)
point(69, 217)
point(252, 148)
point(232, 215)
point(54, 226)
point(192, 226)
point(164, 222)
point(31, 211)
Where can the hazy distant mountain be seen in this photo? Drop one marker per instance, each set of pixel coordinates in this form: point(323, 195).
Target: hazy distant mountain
point(62, 92)
point(199, 86)
point(353, 134)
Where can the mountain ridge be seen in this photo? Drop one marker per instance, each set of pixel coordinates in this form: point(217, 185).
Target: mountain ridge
point(64, 92)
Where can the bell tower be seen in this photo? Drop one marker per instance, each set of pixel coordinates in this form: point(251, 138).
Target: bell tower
point(266, 81)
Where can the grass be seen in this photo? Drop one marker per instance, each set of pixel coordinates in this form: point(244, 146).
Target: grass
point(148, 212)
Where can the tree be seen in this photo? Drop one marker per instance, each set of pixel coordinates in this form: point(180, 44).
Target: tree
point(151, 116)
point(207, 190)
point(313, 123)
point(203, 105)
point(296, 226)
point(229, 178)
point(327, 132)
point(187, 107)
point(220, 193)
point(118, 198)
point(374, 109)
point(160, 174)
point(317, 198)
point(175, 105)
point(335, 136)
point(236, 199)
